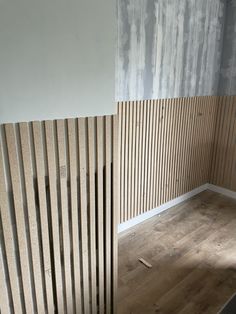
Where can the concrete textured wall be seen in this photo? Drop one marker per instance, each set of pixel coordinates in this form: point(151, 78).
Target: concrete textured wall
point(227, 84)
point(168, 48)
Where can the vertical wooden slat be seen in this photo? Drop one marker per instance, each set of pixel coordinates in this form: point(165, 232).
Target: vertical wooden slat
point(20, 217)
point(84, 211)
point(92, 211)
point(167, 151)
point(140, 163)
point(149, 156)
point(137, 159)
point(53, 188)
point(73, 161)
point(40, 173)
point(126, 163)
point(155, 138)
point(31, 209)
point(63, 178)
point(108, 158)
point(100, 214)
point(161, 148)
point(133, 172)
point(158, 152)
point(115, 212)
point(9, 240)
point(143, 158)
point(121, 114)
point(215, 141)
point(4, 295)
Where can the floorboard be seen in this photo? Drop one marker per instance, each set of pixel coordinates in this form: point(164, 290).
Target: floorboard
point(192, 251)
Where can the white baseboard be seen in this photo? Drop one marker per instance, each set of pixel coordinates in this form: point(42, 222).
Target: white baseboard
point(221, 190)
point(141, 218)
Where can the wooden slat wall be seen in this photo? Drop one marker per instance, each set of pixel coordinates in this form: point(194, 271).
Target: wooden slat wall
point(165, 150)
point(58, 219)
point(224, 155)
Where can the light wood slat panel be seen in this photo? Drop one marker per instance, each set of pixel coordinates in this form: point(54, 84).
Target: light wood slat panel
point(229, 137)
point(52, 173)
point(232, 148)
point(215, 143)
point(186, 159)
point(155, 136)
point(92, 210)
point(172, 149)
point(126, 163)
point(224, 162)
point(220, 139)
point(143, 158)
point(136, 154)
point(194, 142)
point(20, 217)
point(100, 213)
point(73, 161)
point(140, 168)
point(32, 216)
point(121, 115)
point(160, 151)
point(233, 151)
point(116, 201)
point(82, 127)
point(108, 203)
point(167, 152)
point(41, 186)
point(148, 159)
point(130, 153)
point(63, 178)
point(7, 231)
point(133, 163)
point(5, 307)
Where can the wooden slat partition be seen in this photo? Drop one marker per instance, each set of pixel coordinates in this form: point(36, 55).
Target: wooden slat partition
point(223, 171)
point(165, 150)
point(58, 219)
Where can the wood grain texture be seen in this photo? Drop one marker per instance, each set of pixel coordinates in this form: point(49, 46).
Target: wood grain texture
point(59, 200)
point(192, 253)
point(165, 150)
point(223, 171)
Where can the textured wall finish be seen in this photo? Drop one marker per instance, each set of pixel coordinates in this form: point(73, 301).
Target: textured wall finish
point(166, 150)
point(58, 194)
point(168, 48)
point(224, 156)
point(227, 84)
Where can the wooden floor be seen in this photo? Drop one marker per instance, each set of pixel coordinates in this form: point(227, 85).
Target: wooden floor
point(192, 248)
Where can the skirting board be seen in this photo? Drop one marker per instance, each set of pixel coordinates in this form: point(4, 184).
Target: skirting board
point(141, 218)
point(221, 190)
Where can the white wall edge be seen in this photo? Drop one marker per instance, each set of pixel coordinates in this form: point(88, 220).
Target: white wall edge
point(221, 190)
point(141, 218)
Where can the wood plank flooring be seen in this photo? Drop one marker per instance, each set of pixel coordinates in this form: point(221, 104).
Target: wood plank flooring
point(192, 249)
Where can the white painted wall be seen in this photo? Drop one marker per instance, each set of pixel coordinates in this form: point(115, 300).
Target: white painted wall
point(57, 59)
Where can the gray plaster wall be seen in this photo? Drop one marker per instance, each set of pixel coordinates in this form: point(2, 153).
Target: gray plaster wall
point(169, 48)
point(227, 83)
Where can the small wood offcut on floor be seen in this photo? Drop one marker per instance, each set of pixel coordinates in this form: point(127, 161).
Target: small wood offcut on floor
point(192, 250)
